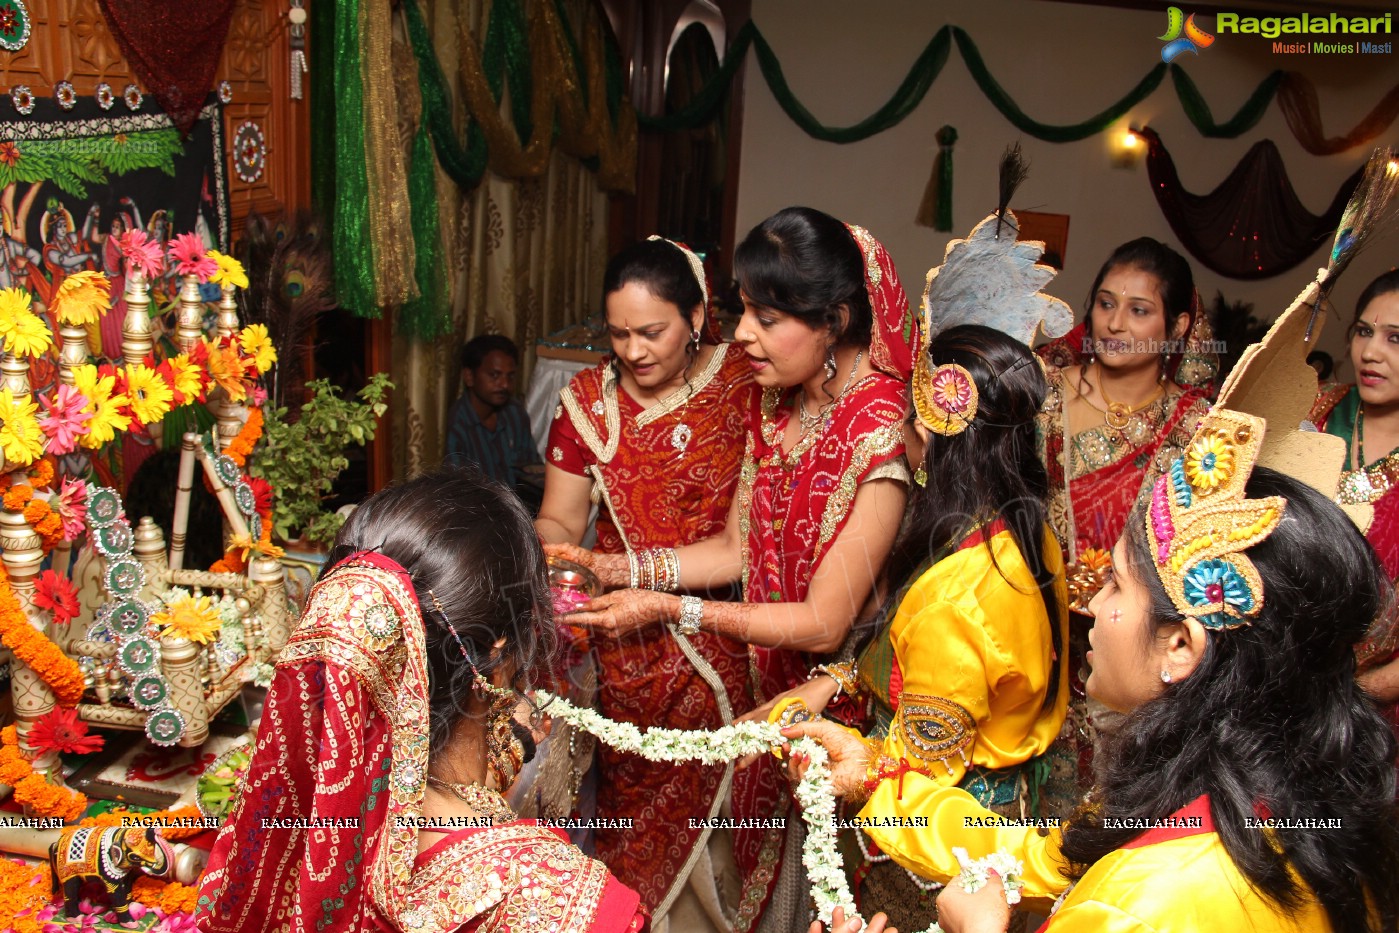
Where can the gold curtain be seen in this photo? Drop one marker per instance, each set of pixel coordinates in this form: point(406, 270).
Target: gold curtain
point(525, 256)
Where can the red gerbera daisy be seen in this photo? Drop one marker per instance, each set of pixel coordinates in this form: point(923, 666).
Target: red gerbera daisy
point(60, 730)
point(262, 495)
point(55, 593)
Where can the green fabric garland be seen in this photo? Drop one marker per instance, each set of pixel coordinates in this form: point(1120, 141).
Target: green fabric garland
point(1195, 107)
point(464, 163)
point(427, 316)
point(354, 248)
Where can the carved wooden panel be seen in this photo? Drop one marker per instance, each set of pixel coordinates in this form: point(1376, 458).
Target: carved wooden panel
point(70, 41)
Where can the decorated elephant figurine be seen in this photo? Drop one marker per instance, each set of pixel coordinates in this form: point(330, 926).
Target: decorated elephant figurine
point(114, 856)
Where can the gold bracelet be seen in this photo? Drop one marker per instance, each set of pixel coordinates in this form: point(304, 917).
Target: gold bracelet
point(843, 673)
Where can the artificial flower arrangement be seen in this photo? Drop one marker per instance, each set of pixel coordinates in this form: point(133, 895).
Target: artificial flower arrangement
point(101, 402)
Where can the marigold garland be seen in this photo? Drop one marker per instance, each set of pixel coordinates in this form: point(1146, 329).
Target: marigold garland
point(24, 893)
point(33, 648)
point(241, 447)
point(170, 896)
point(31, 789)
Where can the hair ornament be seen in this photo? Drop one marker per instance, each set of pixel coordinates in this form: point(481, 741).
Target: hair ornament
point(1199, 523)
point(945, 398)
point(696, 266)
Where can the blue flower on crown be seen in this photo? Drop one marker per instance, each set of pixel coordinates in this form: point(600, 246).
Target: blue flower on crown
point(1215, 582)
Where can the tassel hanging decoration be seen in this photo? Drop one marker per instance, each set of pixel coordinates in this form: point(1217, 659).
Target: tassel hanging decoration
point(935, 210)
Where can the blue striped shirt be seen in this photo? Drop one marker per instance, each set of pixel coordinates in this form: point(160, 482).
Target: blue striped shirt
point(500, 453)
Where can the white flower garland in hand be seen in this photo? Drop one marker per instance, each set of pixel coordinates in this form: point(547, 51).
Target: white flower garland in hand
point(820, 855)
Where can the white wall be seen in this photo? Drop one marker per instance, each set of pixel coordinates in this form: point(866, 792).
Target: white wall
point(1061, 63)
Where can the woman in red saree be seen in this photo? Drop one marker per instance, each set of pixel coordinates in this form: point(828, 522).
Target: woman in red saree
point(828, 335)
point(373, 799)
point(1369, 411)
point(654, 435)
point(1126, 388)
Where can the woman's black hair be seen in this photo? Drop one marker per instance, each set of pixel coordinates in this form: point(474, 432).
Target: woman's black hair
point(661, 267)
point(476, 567)
point(1270, 721)
point(1382, 285)
point(990, 470)
point(805, 263)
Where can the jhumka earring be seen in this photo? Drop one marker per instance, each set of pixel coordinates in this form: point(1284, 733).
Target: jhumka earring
point(831, 363)
point(505, 752)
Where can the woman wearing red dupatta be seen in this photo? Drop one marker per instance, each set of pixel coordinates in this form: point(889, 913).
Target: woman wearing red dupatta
point(1127, 387)
point(1369, 412)
point(655, 436)
point(829, 337)
point(372, 801)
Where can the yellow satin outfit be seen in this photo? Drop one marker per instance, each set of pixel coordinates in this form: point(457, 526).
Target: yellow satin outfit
point(972, 659)
point(1166, 881)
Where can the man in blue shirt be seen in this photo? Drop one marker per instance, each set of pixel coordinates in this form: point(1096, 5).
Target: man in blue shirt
point(488, 425)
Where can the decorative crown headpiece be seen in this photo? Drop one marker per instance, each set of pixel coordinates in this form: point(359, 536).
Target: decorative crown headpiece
point(696, 266)
point(1199, 523)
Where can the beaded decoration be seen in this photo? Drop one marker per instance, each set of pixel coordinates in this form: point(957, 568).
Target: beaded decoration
point(1199, 523)
point(945, 397)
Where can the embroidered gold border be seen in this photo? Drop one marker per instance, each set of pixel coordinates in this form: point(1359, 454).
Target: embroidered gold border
point(953, 727)
point(877, 442)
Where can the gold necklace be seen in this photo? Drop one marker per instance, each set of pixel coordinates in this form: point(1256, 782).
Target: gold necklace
point(1119, 414)
point(809, 421)
point(479, 798)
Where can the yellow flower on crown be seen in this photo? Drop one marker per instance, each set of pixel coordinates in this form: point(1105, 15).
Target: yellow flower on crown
point(258, 345)
point(150, 394)
point(230, 270)
point(21, 439)
point(191, 617)
point(82, 298)
point(21, 331)
point(1209, 460)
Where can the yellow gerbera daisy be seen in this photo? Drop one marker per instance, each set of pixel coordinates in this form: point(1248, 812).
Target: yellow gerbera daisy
point(21, 331)
point(185, 373)
point(1209, 461)
point(150, 394)
point(251, 548)
point(258, 345)
point(20, 437)
point(82, 299)
point(230, 270)
point(191, 617)
point(104, 402)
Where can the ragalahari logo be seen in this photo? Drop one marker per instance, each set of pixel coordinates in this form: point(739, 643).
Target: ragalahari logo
point(1182, 35)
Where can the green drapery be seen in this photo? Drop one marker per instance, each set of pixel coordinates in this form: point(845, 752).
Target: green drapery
point(928, 66)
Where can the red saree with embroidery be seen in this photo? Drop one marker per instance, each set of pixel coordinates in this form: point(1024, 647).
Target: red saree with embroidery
point(520, 878)
point(324, 833)
point(792, 507)
point(655, 491)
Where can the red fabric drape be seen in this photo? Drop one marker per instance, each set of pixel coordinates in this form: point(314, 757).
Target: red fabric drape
point(173, 48)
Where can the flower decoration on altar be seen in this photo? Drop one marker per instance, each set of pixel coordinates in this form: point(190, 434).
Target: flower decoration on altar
point(31, 789)
point(82, 298)
point(230, 270)
point(257, 346)
point(188, 381)
point(65, 421)
point(60, 730)
point(187, 250)
point(21, 438)
point(54, 593)
point(149, 395)
point(142, 253)
point(22, 333)
point(71, 507)
point(191, 617)
point(107, 403)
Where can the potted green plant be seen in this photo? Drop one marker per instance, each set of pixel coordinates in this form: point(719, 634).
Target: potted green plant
point(302, 458)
